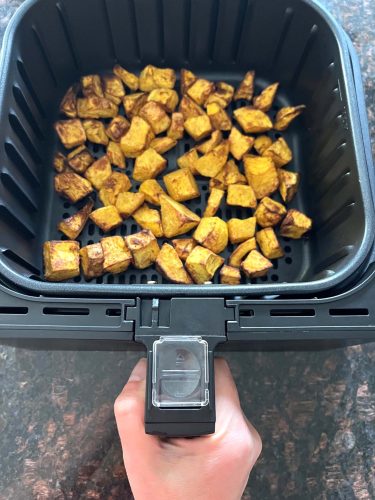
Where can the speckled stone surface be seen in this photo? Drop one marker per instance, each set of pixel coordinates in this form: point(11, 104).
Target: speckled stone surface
point(314, 410)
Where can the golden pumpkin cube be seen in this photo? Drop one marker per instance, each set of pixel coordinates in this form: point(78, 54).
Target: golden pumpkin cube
point(200, 90)
point(229, 175)
point(239, 144)
point(127, 203)
point(113, 88)
point(133, 103)
point(106, 218)
point(269, 244)
point(152, 78)
point(148, 165)
point(190, 109)
point(212, 233)
point(202, 264)
point(162, 144)
point(137, 139)
point(176, 128)
point(169, 264)
point(148, 218)
point(280, 153)
point(262, 143)
point(176, 218)
point(230, 275)
point(286, 115)
point(295, 224)
point(239, 253)
point(213, 202)
point(99, 172)
point(92, 260)
point(289, 182)
point(210, 164)
point(240, 230)
point(143, 247)
point(73, 226)
point(189, 160)
point(117, 256)
point(264, 100)
point(96, 107)
point(261, 174)
point(256, 265)
point(117, 128)
point(240, 195)
point(252, 121)
point(269, 212)
point(211, 143)
point(91, 85)
point(219, 117)
point(198, 127)
point(152, 191)
point(129, 79)
point(80, 159)
point(183, 247)
point(72, 186)
point(154, 114)
point(187, 78)
point(245, 89)
point(71, 133)
point(116, 183)
point(95, 131)
point(222, 95)
point(181, 185)
point(60, 162)
point(115, 155)
point(168, 98)
point(61, 260)
point(68, 104)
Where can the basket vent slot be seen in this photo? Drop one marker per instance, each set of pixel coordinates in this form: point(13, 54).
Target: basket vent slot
point(292, 312)
point(14, 310)
point(113, 312)
point(349, 312)
point(23, 137)
point(25, 108)
point(29, 86)
point(246, 312)
point(66, 311)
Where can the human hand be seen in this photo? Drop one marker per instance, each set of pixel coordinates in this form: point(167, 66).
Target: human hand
point(209, 467)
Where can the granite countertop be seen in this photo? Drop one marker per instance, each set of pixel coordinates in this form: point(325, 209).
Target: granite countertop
point(314, 410)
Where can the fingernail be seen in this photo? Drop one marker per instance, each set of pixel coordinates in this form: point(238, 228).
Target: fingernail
point(139, 371)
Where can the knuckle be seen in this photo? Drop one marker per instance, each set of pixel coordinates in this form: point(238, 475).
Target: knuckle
point(125, 404)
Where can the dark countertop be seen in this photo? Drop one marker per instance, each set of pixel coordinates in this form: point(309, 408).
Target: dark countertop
point(314, 410)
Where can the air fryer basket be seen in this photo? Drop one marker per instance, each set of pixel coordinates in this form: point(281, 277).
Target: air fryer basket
point(51, 44)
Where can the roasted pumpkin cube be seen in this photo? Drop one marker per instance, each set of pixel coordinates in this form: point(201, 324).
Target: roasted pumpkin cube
point(148, 218)
point(155, 115)
point(117, 256)
point(71, 133)
point(211, 143)
point(91, 85)
point(133, 103)
point(95, 131)
point(264, 100)
point(169, 264)
point(202, 264)
point(252, 121)
point(176, 128)
point(152, 78)
point(116, 183)
point(96, 107)
point(262, 143)
point(213, 202)
point(222, 95)
point(73, 226)
point(152, 191)
point(295, 224)
point(137, 139)
point(280, 153)
point(68, 104)
point(245, 89)
point(240, 230)
point(162, 144)
point(115, 155)
point(143, 247)
point(212, 233)
point(289, 182)
point(72, 186)
point(127, 203)
point(239, 144)
point(129, 79)
point(183, 247)
point(92, 260)
point(198, 127)
point(210, 164)
point(219, 117)
point(61, 260)
point(168, 98)
point(200, 90)
point(261, 175)
point(106, 218)
point(241, 196)
point(256, 265)
point(286, 115)
point(148, 165)
point(269, 212)
point(229, 175)
point(187, 78)
point(117, 128)
point(80, 159)
point(190, 109)
point(230, 275)
point(181, 185)
point(99, 172)
point(189, 160)
point(237, 256)
point(113, 88)
point(60, 162)
point(176, 218)
point(269, 244)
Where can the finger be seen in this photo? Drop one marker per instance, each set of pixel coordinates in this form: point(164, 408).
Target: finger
point(226, 394)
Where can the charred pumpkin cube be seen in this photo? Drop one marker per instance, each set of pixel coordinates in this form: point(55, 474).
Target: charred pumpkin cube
point(92, 260)
point(143, 247)
point(269, 212)
point(133, 103)
point(168, 98)
point(72, 186)
point(256, 265)
point(176, 218)
point(230, 275)
point(280, 153)
point(229, 175)
point(211, 143)
point(148, 218)
point(151, 190)
point(116, 183)
point(202, 264)
point(154, 114)
point(239, 144)
point(129, 79)
point(68, 104)
point(210, 164)
point(212, 233)
point(95, 131)
point(240, 195)
point(176, 128)
point(189, 160)
point(80, 159)
point(152, 78)
point(183, 247)
point(117, 128)
point(285, 116)
point(295, 224)
point(115, 155)
point(220, 119)
point(181, 185)
point(169, 264)
point(113, 88)
point(261, 175)
point(96, 107)
point(240, 230)
point(148, 165)
point(269, 244)
point(127, 203)
point(190, 109)
point(60, 162)
point(213, 202)
point(241, 251)
point(61, 260)
point(252, 121)
point(99, 172)
point(162, 144)
point(222, 95)
point(91, 85)
point(262, 143)
point(200, 90)
point(117, 256)
point(187, 78)
point(289, 182)
point(245, 89)
point(137, 138)
point(106, 218)
point(71, 133)
point(264, 100)
point(198, 127)
point(73, 226)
